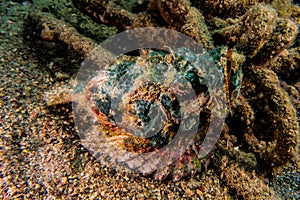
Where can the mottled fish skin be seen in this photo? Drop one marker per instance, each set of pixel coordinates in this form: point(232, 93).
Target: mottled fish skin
point(123, 111)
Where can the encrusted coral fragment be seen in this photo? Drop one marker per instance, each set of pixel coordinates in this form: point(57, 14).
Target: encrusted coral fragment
point(286, 66)
point(283, 36)
point(225, 8)
point(250, 33)
point(295, 13)
point(232, 8)
point(247, 185)
point(53, 29)
point(278, 143)
point(179, 14)
point(283, 7)
point(260, 34)
point(173, 11)
point(294, 93)
point(114, 15)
